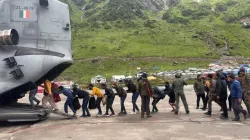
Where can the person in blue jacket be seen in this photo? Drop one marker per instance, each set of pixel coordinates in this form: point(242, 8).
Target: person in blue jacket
point(236, 97)
point(69, 100)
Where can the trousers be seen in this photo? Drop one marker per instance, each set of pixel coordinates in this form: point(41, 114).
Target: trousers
point(50, 99)
point(134, 99)
point(210, 100)
point(184, 101)
point(109, 105)
point(85, 109)
point(236, 105)
point(145, 100)
point(32, 97)
point(223, 103)
point(247, 101)
point(69, 103)
point(200, 96)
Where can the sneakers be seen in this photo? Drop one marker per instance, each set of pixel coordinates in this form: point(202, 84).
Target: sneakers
point(37, 103)
point(245, 116)
point(112, 115)
point(99, 114)
point(187, 112)
point(223, 117)
point(149, 116)
point(106, 114)
point(124, 113)
point(208, 113)
point(236, 120)
point(197, 107)
point(132, 113)
point(120, 114)
point(203, 108)
point(176, 112)
point(173, 110)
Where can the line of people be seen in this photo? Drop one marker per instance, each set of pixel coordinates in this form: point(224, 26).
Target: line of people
point(216, 88)
point(212, 89)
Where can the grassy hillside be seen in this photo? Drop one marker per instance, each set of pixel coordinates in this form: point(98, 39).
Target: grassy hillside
point(118, 29)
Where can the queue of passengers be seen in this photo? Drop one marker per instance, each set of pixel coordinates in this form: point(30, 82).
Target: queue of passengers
point(209, 89)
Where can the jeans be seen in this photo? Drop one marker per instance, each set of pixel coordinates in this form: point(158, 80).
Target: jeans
point(123, 109)
point(69, 102)
point(229, 101)
point(155, 101)
point(145, 100)
point(109, 105)
point(223, 103)
point(98, 105)
point(201, 96)
point(32, 97)
point(134, 99)
point(85, 109)
point(236, 105)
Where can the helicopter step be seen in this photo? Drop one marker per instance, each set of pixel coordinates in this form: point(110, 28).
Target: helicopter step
point(19, 112)
point(61, 114)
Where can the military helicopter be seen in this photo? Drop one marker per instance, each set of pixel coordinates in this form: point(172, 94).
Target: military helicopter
point(35, 44)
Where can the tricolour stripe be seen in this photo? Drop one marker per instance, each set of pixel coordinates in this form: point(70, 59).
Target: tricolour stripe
point(27, 14)
point(24, 13)
point(21, 13)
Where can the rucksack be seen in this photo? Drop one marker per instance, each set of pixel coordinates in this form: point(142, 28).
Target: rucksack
point(92, 104)
point(76, 104)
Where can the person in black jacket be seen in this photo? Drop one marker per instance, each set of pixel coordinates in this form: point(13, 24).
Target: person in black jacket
point(123, 95)
point(169, 91)
point(82, 94)
point(157, 96)
point(223, 97)
point(132, 88)
point(109, 93)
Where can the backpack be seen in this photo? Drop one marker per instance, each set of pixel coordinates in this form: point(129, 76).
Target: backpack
point(158, 93)
point(92, 104)
point(76, 104)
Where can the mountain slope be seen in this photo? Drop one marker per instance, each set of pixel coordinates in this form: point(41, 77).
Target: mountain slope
point(154, 28)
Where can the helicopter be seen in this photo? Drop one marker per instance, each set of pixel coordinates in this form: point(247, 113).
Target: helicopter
point(35, 44)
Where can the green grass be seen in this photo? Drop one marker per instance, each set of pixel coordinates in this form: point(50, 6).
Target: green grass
point(179, 35)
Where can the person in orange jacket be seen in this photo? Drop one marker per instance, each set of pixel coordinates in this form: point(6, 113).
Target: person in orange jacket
point(48, 96)
point(96, 91)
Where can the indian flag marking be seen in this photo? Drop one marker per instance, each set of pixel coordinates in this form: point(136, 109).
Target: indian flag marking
point(24, 14)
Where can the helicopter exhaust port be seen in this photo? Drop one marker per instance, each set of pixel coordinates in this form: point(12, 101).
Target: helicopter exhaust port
point(9, 37)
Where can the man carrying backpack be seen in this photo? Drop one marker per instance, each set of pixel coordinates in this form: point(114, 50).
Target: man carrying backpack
point(109, 93)
point(157, 96)
point(82, 94)
point(145, 91)
point(123, 95)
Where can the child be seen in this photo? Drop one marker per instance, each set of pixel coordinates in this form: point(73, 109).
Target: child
point(169, 91)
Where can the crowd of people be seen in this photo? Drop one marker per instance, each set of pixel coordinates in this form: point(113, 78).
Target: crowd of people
point(208, 88)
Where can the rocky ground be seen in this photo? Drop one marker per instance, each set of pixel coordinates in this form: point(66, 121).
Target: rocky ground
point(162, 126)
